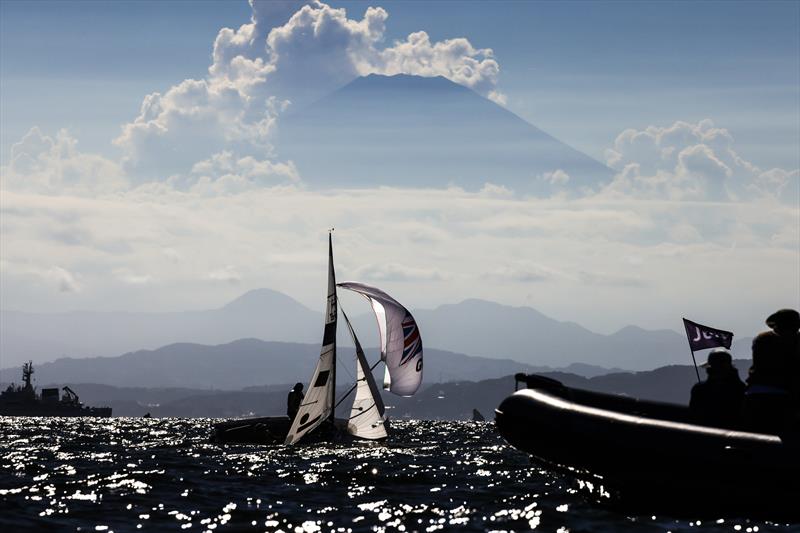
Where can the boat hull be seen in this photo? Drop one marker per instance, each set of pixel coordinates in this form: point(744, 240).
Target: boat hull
point(272, 430)
point(641, 455)
point(261, 430)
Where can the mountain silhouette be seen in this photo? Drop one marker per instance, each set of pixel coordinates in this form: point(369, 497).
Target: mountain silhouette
point(472, 327)
point(261, 313)
point(451, 400)
point(412, 131)
point(249, 363)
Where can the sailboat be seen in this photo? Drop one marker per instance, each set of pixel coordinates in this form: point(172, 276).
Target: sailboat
point(400, 352)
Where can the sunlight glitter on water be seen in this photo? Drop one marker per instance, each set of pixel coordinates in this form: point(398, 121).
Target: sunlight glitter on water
point(163, 474)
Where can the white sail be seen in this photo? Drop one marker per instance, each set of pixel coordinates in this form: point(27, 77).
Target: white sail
point(367, 414)
point(317, 404)
point(401, 343)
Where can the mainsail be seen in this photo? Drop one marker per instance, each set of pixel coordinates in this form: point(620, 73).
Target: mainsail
point(367, 414)
point(319, 398)
point(401, 344)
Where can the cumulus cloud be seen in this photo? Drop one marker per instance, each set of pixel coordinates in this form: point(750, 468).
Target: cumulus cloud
point(223, 173)
point(288, 54)
point(52, 165)
point(191, 121)
point(691, 161)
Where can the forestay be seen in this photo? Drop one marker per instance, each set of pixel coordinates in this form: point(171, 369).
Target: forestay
point(401, 343)
point(318, 402)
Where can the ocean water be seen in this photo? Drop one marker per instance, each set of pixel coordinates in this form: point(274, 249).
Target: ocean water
point(125, 474)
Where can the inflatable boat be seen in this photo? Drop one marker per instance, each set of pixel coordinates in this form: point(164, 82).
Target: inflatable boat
point(651, 451)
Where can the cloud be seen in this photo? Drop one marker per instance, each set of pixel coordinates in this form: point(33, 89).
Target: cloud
point(223, 173)
point(455, 59)
point(491, 190)
point(63, 279)
point(557, 177)
point(281, 58)
point(691, 161)
point(521, 272)
point(228, 274)
point(778, 184)
point(191, 121)
point(436, 245)
point(51, 165)
point(397, 272)
point(611, 280)
point(131, 278)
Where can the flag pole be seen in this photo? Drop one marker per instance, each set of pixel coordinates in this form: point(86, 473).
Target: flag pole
point(695, 366)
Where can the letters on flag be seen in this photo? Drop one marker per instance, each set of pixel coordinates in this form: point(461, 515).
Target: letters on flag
point(703, 337)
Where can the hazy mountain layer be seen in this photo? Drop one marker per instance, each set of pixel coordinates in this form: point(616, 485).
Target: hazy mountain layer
point(248, 363)
point(454, 400)
point(472, 327)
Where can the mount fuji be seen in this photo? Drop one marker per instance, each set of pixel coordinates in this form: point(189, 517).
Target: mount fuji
point(412, 131)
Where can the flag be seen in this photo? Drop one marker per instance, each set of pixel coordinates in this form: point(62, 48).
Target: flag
point(703, 337)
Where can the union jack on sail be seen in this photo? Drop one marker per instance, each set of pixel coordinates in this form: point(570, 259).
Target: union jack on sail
point(412, 342)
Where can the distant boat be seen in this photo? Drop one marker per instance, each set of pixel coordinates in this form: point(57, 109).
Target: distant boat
point(652, 451)
point(477, 416)
point(24, 401)
point(401, 353)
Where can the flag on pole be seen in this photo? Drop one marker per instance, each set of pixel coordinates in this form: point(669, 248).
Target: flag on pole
point(703, 337)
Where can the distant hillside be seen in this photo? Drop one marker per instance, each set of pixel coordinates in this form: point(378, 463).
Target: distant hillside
point(472, 327)
point(524, 334)
point(248, 363)
point(454, 400)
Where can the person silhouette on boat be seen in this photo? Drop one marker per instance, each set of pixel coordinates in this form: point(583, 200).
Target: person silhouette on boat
point(772, 397)
point(293, 400)
point(717, 401)
point(785, 323)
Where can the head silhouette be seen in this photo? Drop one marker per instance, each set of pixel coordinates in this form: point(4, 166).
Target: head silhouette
point(719, 361)
point(298, 387)
point(785, 322)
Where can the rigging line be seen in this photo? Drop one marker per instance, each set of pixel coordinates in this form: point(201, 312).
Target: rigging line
point(346, 394)
point(355, 342)
point(355, 347)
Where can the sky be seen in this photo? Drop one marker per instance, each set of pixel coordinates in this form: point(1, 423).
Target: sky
point(681, 99)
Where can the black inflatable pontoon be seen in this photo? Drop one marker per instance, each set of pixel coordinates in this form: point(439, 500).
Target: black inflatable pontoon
point(649, 448)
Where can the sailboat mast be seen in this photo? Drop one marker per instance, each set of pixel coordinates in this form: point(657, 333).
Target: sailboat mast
point(334, 307)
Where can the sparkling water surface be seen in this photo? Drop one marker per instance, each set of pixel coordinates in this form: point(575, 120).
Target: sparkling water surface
point(127, 474)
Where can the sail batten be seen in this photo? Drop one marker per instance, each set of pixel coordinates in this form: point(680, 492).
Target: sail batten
point(401, 343)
